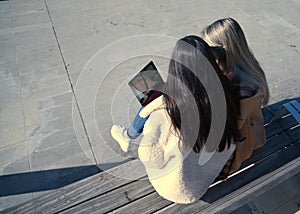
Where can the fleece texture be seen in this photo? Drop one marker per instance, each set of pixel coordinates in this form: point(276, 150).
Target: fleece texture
point(172, 169)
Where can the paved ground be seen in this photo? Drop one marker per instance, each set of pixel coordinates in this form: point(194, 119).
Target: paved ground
point(44, 46)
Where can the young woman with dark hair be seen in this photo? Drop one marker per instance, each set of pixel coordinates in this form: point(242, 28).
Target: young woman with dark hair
point(179, 122)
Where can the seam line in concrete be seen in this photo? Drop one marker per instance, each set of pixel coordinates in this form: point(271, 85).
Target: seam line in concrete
point(69, 79)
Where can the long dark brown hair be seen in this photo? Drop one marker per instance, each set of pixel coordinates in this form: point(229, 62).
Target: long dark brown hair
point(183, 88)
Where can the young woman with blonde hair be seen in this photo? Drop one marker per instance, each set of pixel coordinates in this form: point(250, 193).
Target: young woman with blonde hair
point(240, 64)
point(241, 67)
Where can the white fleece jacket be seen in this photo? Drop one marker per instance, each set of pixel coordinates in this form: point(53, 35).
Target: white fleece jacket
point(175, 175)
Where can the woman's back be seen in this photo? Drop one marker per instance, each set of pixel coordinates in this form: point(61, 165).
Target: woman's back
point(176, 134)
point(175, 173)
point(238, 62)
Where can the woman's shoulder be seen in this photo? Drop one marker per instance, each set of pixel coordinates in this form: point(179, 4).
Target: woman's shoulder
point(251, 105)
point(256, 99)
point(155, 106)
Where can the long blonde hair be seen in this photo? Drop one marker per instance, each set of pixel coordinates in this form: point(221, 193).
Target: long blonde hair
point(228, 34)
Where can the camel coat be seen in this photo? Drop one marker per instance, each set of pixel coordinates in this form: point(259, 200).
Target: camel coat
point(251, 126)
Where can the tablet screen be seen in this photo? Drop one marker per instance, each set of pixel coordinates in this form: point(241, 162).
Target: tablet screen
point(145, 83)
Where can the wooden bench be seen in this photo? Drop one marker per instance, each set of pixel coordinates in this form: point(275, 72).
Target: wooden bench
point(270, 165)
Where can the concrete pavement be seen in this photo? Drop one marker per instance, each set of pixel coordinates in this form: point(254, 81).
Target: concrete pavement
point(44, 46)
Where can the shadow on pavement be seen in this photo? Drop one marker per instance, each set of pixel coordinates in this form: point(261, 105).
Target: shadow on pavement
point(44, 180)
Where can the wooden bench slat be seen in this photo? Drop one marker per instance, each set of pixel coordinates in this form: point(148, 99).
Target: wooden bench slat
point(265, 168)
point(271, 146)
point(287, 122)
point(114, 199)
point(273, 129)
point(81, 191)
point(273, 108)
point(270, 110)
point(294, 134)
point(148, 204)
point(261, 168)
point(248, 192)
point(277, 138)
point(279, 126)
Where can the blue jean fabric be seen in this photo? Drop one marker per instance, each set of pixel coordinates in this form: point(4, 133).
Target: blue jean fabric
point(137, 125)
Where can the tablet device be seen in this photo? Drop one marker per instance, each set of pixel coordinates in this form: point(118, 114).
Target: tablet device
point(146, 84)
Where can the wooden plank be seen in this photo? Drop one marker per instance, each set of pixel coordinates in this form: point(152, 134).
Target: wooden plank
point(272, 146)
point(114, 199)
point(277, 142)
point(273, 129)
point(81, 191)
point(273, 108)
point(294, 134)
point(248, 192)
point(265, 166)
point(288, 122)
point(216, 192)
point(148, 204)
point(277, 127)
